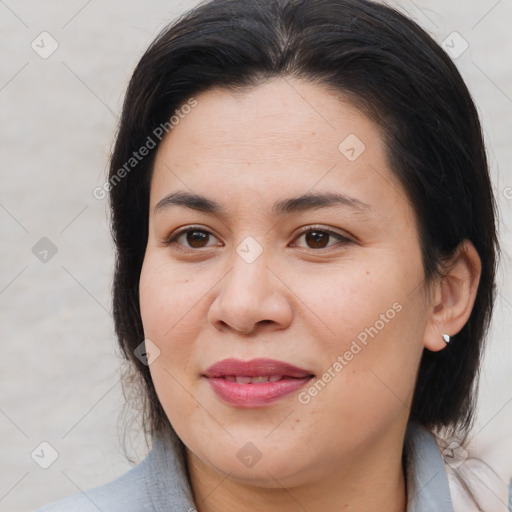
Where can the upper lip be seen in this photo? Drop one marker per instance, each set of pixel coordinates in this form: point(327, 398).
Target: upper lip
point(255, 368)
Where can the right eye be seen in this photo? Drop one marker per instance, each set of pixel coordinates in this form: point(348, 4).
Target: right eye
point(190, 239)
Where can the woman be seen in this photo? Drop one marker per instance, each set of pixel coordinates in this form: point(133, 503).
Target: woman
point(306, 244)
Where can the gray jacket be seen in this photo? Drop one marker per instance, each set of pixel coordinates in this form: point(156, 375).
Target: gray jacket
point(160, 484)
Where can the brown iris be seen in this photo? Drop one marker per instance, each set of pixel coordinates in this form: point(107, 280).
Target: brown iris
point(317, 239)
point(195, 238)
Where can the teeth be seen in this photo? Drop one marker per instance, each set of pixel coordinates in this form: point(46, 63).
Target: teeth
point(257, 380)
point(253, 380)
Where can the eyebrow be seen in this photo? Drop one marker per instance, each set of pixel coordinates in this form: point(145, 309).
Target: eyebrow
point(309, 201)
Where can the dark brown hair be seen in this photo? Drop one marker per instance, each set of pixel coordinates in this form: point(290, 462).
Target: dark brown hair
point(391, 69)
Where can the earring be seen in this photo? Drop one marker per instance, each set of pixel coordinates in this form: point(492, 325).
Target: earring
point(446, 338)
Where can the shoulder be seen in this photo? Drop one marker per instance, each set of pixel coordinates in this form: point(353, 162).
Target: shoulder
point(128, 493)
point(159, 483)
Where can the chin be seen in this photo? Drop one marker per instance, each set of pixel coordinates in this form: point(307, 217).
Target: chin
point(260, 465)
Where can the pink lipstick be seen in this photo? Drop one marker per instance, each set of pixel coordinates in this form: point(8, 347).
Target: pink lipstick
point(255, 383)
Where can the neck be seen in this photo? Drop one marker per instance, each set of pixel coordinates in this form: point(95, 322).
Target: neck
point(370, 481)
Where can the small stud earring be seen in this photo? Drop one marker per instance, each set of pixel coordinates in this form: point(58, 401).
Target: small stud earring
point(446, 338)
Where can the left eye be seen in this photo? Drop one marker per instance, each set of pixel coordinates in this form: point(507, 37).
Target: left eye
point(317, 238)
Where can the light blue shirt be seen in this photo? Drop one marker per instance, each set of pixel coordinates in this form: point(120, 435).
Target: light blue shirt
point(160, 483)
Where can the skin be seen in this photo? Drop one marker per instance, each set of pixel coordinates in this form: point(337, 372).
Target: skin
point(298, 302)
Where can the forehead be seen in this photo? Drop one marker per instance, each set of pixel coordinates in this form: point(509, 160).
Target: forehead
point(280, 114)
point(283, 134)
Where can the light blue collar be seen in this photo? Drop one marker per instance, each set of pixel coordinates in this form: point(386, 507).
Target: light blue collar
point(426, 479)
point(427, 482)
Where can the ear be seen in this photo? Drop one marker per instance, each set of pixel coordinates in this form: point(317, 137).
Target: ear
point(453, 296)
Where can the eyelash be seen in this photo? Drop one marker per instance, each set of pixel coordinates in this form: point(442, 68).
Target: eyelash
point(172, 239)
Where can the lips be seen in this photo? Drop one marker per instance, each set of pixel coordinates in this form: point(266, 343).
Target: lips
point(255, 383)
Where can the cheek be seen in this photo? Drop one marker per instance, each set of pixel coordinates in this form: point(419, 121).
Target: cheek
point(168, 298)
point(174, 310)
point(353, 303)
point(366, 327)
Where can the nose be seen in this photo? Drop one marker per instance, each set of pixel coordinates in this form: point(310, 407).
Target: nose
point(251, 299)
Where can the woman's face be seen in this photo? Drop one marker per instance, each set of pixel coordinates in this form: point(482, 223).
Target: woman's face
point(300, 248)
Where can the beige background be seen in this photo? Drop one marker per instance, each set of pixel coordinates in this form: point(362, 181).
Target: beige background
point(59, 370)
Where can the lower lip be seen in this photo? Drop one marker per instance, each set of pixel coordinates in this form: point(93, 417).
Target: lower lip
point(255, 395)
